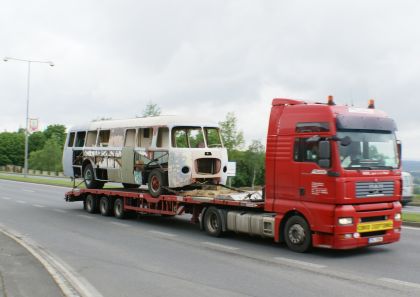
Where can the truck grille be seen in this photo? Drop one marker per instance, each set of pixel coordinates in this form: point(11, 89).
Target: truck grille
point(374, 189)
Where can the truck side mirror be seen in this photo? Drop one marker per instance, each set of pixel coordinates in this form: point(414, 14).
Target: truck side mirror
point(399, 149)
point(324, 148)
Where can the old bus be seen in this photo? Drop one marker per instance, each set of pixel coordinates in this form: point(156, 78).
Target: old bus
point(163, 152)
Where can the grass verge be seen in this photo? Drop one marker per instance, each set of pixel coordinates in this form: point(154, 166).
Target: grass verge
point(36, 180)
point(411, 217)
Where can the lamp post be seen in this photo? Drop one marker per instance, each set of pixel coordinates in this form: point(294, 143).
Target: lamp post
point(29, 62)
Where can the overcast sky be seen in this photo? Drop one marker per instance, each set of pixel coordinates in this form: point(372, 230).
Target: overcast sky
point(208, 58)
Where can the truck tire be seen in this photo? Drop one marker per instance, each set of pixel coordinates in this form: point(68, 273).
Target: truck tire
point(213, 222)
point(119, 211)
point(157, 180)
point(89, 178)
point(91, 204)
point(105, 206)
point(297, 234)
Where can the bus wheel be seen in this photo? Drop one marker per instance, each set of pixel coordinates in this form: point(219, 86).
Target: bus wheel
point(105, 206)
point(157, 180)
point(91, 204)
point(297, 234)
point(89, 178)
point(213, 222)
point(119, 211)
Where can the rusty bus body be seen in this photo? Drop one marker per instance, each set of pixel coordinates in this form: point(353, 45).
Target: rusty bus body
point(163, 152)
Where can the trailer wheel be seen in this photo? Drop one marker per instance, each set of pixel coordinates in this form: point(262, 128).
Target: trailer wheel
point(157, 180)
point(297, 234)
point(105, 206)
point(89, 178)
point(91, 204)
point(119, 211)
point(213, 222)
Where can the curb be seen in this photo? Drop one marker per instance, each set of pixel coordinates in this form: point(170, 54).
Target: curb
point(70, 284)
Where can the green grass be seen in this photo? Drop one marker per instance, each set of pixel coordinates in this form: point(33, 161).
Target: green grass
point(416, 198)
point(411, 217)
point(35, 180)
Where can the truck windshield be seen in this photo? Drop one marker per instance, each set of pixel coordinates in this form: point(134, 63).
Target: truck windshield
point(369, 150)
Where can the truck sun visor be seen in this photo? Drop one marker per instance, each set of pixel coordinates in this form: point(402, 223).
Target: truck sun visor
point(360, 122)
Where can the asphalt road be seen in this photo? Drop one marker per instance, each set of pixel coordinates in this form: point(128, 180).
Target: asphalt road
point(155, 256)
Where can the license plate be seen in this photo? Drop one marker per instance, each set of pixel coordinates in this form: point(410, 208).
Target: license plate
point(375, 226)
point(375, 239)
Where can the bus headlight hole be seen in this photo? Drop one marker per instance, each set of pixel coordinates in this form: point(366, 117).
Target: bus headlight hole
point(185, 169)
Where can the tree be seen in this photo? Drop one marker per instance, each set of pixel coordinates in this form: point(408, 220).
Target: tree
point(12, 148)
point(232, 138)
point(256, 156)
point(49, 158)
point(57, 131)
point(36, 141)
point(151, 110)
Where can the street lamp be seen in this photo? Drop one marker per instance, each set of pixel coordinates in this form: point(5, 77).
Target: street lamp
point(6, 59)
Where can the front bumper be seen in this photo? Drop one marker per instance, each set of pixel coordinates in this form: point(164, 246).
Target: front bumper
point(348, 237)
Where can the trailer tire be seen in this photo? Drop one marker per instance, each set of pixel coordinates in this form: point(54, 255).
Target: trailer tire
point(91, 204)
point(156, 182)
point(297, 234)
point(119, 211)
point(105, 206)
point(213, 222)
point(89, 178)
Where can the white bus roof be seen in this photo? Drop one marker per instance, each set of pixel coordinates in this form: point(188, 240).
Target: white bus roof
point(167, 121)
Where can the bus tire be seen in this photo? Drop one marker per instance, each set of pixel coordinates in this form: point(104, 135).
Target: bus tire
point(213, 222)
point(119, 211)
point(157, 180)
point(89, 178)
point(297, 234)
point(91, 204)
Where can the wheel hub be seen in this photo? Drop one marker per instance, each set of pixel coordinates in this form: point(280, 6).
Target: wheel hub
point(297, 234)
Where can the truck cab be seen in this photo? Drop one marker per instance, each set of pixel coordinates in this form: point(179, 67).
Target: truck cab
point(336, 169)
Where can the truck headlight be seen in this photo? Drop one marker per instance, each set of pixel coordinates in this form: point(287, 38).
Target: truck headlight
point(397, 216)
point(345, 221)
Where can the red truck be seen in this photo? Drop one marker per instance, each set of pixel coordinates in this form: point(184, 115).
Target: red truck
point(333, 180)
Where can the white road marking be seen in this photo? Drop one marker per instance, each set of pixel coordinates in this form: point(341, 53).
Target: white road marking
point(59, 210)
point(120, 224)
point(38, 205)
point(29, 191)
point(222, 246)
point(301, 263)
point(411, 228)
point(21, 201)
point(400, 282)
point(85, 216)
point(162, 233)
point(6, 198)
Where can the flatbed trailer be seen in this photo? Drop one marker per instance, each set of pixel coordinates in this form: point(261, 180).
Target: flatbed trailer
point(215, 213)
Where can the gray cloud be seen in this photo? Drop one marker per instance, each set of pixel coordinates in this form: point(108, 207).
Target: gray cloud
point(209, 57)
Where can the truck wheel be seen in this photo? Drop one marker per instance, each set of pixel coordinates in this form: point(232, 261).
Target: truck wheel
point(105, 206)
point(157, 180)
point(89, 178)
point(297, 234)
point(91, 204)
point(119, 211)
point(213, 222)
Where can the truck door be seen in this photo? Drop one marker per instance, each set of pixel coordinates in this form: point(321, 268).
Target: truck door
point(314, 183)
